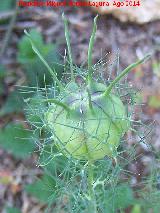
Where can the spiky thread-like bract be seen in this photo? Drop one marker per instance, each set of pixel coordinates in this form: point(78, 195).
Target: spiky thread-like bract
point(86, 122)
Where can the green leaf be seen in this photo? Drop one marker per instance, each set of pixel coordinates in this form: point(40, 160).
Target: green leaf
point(13, 104)
point(154, 101)
point(12, 210)
point(26, 54)
point(6, 5)
point(156, 68)
point(33, 67)
point(17, 140)
point(136, 209)
point(119, 197)
point(43, 189)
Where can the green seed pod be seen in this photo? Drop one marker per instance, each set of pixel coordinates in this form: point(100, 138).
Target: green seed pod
point(88, 132)
point(86, 122)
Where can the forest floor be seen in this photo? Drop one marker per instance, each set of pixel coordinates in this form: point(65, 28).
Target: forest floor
point(130, 40)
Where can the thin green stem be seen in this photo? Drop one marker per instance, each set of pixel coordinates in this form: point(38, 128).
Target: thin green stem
point(90, 101)
point(90, 50)
point(92, 204)
point(123, 73)
point(59, 103)
point(52, 72)
point(68, 46)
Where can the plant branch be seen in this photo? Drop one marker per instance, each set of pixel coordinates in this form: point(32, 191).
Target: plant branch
point(90, 50)
point(123, 73)
point(52, 72)
point(90, 101)
point(56, 102)
point(68, 45)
